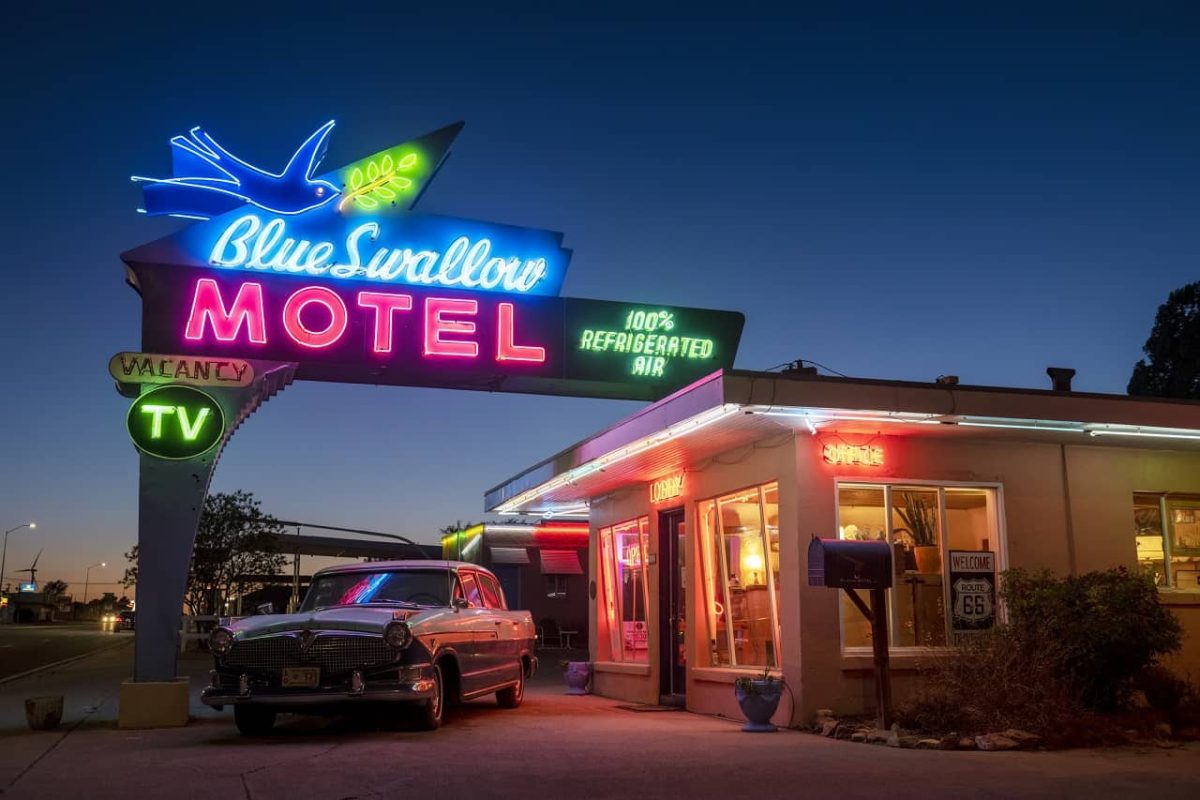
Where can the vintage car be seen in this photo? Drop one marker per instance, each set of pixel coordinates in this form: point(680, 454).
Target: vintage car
point(423, 633)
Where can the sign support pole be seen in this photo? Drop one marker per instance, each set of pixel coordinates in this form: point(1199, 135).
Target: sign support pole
point(877, 616)
point(170, 500)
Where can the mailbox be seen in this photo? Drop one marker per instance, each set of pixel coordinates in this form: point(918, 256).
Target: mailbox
point(848, 564)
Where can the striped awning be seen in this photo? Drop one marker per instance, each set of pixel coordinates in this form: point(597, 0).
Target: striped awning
point(510, 555)
point(560, 562)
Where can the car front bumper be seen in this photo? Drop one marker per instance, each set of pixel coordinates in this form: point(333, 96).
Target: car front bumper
point(415, 690)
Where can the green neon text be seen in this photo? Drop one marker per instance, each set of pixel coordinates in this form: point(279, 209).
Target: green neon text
point(648, 337)
point(190, 430)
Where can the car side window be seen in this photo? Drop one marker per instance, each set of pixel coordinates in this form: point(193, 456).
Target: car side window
point(491, 592)
point(474, 600)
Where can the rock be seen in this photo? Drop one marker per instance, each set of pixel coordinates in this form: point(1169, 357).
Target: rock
point(928, 744)
point(847, 732)
point(948, 742)
point(1137, 700)
point(1024, 739)
point(967, 743)
point(829, 727)
point(995, 741)
point(1163, 730)
point(858, 736)
point(877, 736)
point(824, 712)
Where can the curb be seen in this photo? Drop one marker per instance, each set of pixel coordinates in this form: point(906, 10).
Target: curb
point(62, 662)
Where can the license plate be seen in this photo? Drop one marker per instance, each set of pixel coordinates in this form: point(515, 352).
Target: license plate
point(301, 677)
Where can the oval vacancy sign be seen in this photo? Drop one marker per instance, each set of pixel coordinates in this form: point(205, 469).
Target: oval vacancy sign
point(190, 370)
point(175, 422)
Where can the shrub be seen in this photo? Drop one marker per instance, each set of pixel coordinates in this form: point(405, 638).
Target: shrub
point(1098, 630)
point(1072, 646)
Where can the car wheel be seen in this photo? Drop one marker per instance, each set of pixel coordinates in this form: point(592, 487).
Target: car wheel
point(513, 695)
point(430, 717)
point(253, 720)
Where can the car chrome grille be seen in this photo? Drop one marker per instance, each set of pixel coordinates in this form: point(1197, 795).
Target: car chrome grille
point(333, 653)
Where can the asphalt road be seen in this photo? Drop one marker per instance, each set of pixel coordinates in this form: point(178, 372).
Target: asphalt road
point(26, 647)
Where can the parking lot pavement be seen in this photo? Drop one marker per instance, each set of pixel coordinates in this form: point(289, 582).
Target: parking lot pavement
point(553, 746)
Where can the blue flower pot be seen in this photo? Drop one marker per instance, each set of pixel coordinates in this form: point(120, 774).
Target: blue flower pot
point(578, 675)
point(759, 704)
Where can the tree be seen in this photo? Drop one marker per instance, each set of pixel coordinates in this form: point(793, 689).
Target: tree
point(235, 541)
point(54, 588)
point(1172, 366)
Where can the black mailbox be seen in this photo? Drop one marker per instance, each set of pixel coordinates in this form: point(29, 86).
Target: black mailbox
point(848, 564)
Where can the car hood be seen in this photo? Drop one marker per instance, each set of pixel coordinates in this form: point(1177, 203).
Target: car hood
point(359, 619)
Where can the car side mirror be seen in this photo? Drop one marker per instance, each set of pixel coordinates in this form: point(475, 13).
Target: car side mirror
point(460, 602)
point(265, 608)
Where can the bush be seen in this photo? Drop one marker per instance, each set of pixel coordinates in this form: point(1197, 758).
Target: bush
point(1072, 647)
point(1099, 629)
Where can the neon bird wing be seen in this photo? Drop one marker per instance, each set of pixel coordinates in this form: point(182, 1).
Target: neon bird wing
point(191, 159)
point(310, 154)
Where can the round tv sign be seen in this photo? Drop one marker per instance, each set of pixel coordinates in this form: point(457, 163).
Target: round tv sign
point(175, 422)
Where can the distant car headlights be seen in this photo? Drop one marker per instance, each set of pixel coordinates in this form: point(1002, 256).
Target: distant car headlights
point(397, 635)
point(220, 641)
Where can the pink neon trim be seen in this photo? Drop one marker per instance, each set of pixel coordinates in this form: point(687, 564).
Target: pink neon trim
point(384, 303)
point(333, 304)
point(247, 308)
point(506, 350)
point(435, 326)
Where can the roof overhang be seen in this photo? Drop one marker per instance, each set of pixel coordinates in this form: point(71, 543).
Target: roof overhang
point(735, 408)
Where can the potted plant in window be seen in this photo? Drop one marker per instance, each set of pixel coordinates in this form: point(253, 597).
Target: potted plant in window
point(921, 518)
point(758, 697)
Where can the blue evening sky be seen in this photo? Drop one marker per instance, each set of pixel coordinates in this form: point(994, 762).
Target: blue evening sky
point(893, 193)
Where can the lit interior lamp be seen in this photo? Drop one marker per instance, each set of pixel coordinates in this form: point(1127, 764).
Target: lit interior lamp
point(754, 563)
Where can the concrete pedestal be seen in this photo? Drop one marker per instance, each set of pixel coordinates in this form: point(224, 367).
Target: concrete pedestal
point(153, 704)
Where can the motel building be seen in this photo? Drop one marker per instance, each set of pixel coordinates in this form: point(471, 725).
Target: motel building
point(702, 505)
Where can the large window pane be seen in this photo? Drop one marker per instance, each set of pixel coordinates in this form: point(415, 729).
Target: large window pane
point(1147, 528)
point(622, 552)
point(861, 517)
point(918, 607)
point(740, 555)
point(1183, 519)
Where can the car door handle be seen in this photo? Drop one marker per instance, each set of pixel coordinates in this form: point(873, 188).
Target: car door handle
point(499, 622)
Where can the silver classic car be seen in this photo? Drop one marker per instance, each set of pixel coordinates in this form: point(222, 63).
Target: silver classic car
point(418, 632)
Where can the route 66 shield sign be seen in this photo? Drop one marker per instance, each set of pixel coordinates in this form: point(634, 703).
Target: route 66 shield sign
point(972, 590)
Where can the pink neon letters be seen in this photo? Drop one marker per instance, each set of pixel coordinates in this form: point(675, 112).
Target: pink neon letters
point(447, 327)
point(247, 309)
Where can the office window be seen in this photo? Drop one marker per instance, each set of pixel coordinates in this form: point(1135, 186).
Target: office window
point(923, 524)
point(626, 594)
point(1167, 531)
point(740, 562)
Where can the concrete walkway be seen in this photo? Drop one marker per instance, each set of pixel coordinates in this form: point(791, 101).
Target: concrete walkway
point(554, 746)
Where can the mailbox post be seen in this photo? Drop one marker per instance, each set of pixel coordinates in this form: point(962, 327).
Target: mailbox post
point(852, 565)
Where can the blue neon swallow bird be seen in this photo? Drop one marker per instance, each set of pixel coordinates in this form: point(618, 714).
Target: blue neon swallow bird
point(209, 180)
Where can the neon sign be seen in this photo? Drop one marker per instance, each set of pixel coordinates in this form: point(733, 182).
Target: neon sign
point(175, 422)
point(337, 274)
point(667, 488)
point(157, 368)
point(852, 454)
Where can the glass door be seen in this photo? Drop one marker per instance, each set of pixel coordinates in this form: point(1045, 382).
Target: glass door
point(673, 604)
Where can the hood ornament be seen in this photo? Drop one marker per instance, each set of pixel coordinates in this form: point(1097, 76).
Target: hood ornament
point(306, 639)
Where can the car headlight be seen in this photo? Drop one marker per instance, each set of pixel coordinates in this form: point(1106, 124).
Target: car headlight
point(397, 635)
point(220, 641)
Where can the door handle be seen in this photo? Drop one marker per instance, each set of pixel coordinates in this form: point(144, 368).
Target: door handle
point(499, 622)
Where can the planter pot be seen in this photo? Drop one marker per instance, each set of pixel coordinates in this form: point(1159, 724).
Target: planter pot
point(44, 713)
point(758, 702)
point(929, 558)
point(578, 676)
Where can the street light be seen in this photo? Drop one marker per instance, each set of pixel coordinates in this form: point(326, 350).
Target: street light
point(4, 557)
point(87, 574)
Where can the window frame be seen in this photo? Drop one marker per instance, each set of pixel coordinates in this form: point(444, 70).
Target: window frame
point(470, 575)
point(613, 597)
point(1000, 547)
point(704, 560)
point(1167, 531)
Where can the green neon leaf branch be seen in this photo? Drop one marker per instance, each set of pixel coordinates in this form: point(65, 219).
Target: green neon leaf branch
point(377, 183)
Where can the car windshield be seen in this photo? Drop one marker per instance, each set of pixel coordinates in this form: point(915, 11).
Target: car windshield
point(421, 587)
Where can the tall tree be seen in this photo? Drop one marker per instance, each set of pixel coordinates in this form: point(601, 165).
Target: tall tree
point(234, 542)
point(1172, 364)
point(54, 588)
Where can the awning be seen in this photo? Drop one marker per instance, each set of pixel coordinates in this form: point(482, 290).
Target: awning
point(510, 555)
point(560, 562)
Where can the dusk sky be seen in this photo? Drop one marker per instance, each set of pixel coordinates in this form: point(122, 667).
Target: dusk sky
point(892, 194)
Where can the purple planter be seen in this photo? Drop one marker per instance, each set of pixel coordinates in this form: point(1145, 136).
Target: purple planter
point(758, 702)
point(578, 675)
